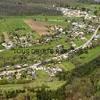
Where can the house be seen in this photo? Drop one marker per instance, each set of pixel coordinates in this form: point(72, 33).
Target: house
point(73, 45)
point(24, 42)
point(83, 38)
point(18, 66)
point(18, 75)
point(9, 75)
point(60, 29)
point(8, 45)
point(79, 24)
point(59, 49)
point(29, 71)
point(97, 36)
point(25, 65)
point(71, 12)
point(48, 39)
point(33, 75)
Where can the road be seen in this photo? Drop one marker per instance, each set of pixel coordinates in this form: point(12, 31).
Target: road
point(89, 41)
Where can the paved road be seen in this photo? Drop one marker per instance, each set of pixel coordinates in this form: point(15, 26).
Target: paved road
point(89, 41)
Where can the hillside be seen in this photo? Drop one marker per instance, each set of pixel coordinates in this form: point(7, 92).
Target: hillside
point(49, 50)
point(29, 7)
point(82, 83)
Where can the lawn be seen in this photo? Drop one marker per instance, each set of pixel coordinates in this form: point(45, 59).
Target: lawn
point(12, 23)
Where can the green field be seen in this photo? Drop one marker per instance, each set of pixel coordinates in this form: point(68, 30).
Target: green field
point(8, 24)
point(11, 24)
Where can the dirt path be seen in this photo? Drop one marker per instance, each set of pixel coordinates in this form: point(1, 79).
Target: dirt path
point(6, 37)
point(36, 26)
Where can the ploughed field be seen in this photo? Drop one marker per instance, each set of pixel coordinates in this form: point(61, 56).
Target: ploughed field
point(38, 27)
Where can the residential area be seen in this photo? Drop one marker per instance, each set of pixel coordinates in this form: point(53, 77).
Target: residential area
point(47, 57)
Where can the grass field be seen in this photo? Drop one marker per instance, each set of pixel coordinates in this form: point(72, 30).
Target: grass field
point(11, 24)
point(92, 54)
point(8, 24)
point(86, 57)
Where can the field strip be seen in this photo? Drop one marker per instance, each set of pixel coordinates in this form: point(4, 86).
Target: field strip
point(36, 26)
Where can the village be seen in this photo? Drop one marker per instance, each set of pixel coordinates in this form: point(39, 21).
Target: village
point(83, 30)
point(49, 49)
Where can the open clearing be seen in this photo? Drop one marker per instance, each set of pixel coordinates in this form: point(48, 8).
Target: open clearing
point(38, 27)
